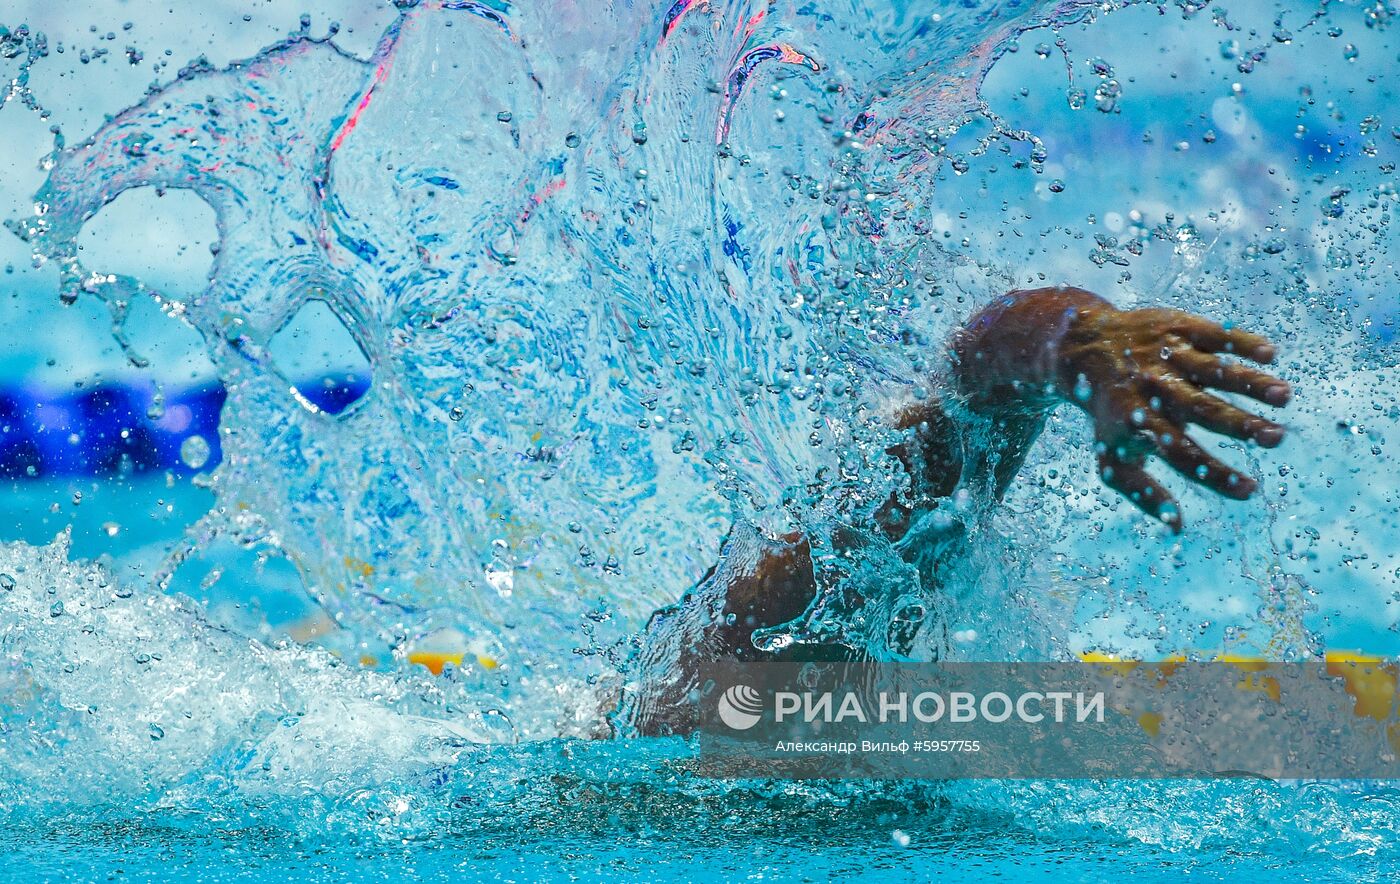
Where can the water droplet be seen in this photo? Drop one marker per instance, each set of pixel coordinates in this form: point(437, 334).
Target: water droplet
point(772, 643)
point(503, 116)
point(572, 140)
point(194, 451)
point(1106, 96)
point(56, 609)
point(1057, 186)
point(456, 413)
point(1083, 390)
point(156, 731)
point(7, 583)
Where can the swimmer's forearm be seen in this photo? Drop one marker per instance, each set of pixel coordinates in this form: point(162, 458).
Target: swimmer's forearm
point(1007, 363)
point(1010, 352)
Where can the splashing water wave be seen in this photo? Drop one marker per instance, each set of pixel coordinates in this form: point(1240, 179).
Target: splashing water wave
point(127, 702)
point(593, 289)
point(519, 242)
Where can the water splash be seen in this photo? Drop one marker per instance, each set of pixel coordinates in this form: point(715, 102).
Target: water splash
point(519, 244)
point(19, 50)
point(116, 696)
point(594, 288)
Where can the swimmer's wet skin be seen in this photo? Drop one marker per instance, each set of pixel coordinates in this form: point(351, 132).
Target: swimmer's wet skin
point(1142, 376)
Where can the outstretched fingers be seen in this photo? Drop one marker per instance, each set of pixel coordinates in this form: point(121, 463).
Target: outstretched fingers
point(1189, 459)
point(1184, 402)
point(1129, 479)
point(1211, 337)
point(1211, 371)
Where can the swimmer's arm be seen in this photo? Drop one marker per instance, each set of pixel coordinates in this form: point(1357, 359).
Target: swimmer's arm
point(1015, 361)
point(1141, 375)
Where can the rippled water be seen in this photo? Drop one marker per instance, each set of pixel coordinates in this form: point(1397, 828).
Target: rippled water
point(619, 277)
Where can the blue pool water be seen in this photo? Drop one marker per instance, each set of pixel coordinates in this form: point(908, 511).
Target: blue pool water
point(474, 326)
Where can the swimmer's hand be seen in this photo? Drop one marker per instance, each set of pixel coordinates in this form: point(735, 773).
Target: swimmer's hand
point(1144, 375)
point(1141, 375)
